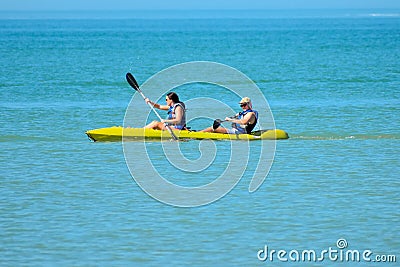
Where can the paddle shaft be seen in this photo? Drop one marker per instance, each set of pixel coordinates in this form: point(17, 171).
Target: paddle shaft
point(218, 122)
point(151, 106)
point(132, 82)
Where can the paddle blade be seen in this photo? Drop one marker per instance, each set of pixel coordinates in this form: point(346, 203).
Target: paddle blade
point(216, 124)
point(132, 81)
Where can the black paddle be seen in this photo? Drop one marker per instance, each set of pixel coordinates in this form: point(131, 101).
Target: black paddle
point(132, 82)
point(218, 122)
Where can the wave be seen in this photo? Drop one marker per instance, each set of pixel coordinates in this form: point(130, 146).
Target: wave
point(17, 138)
point(346, 137)
point(384, 15)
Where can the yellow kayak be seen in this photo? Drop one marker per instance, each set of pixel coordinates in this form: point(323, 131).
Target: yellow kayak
point(115, 134)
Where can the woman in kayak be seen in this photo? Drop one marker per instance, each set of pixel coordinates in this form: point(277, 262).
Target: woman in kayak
point(176, 113)
point(242, 123)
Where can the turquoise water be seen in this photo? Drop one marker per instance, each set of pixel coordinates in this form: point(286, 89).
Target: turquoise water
point(332, 83)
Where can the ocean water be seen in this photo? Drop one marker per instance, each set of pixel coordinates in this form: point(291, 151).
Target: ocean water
point(332, 82)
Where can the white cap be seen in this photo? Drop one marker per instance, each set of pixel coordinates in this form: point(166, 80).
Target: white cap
point(245, 100)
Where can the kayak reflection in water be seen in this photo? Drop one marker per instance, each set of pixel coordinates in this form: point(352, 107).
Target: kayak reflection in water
point(176, 113)
point(242, 123)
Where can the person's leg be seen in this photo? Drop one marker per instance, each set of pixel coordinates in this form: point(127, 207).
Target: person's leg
point(151, 125)
point(218, 130)
point(207, 130)
point(161, 126)
point(155, 125)
point(221, 130)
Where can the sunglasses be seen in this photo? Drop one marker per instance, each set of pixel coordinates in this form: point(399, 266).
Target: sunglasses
point(244, 104)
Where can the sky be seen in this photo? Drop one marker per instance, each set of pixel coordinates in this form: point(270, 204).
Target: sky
point(28, 5)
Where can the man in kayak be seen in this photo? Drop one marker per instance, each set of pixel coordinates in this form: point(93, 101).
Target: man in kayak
point(176, 113)
point(242, 123)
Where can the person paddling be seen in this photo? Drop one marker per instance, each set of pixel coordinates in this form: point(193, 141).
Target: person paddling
point(176, 113)
point(242, 123)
